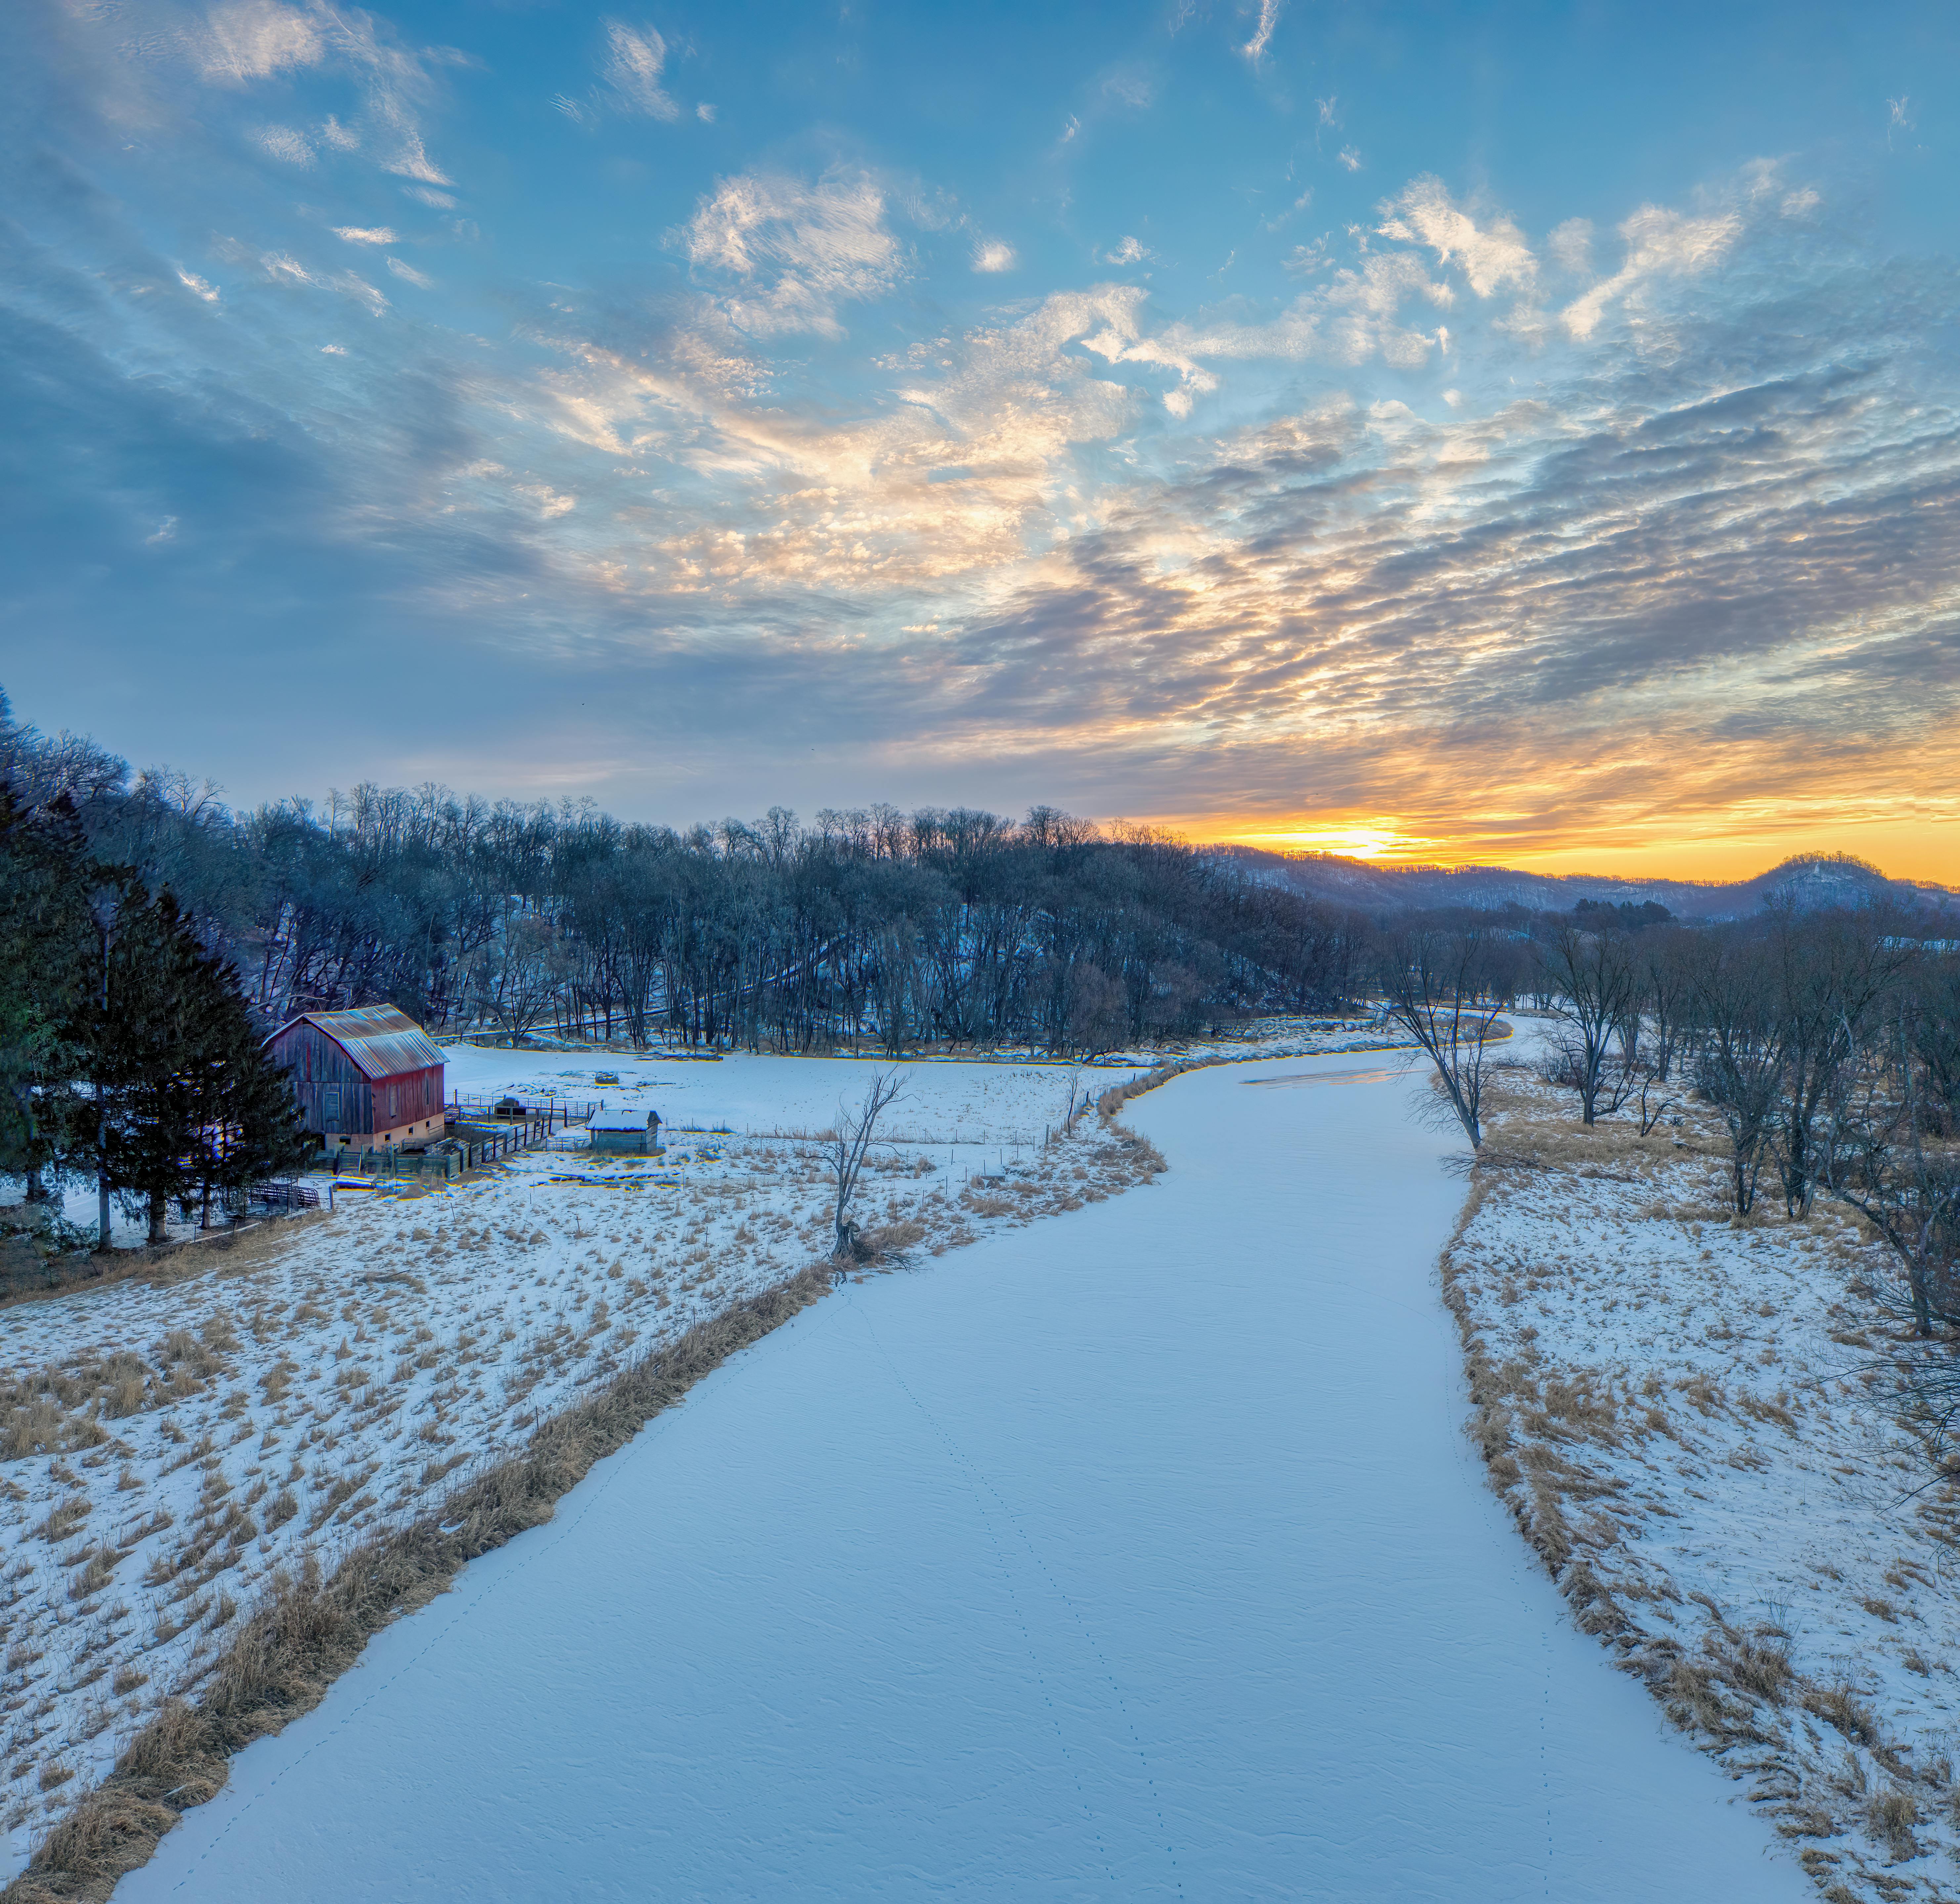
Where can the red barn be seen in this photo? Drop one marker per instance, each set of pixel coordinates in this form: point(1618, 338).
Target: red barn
point(371, 1077)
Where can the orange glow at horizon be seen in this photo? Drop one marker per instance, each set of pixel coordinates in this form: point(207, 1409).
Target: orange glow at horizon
point(1906, 849)
point(1382, 840)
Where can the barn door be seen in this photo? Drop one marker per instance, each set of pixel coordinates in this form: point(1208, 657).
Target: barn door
point(329, 1108)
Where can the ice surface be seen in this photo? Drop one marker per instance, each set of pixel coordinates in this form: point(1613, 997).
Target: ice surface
point(329, 1376)
point(1138, 1554)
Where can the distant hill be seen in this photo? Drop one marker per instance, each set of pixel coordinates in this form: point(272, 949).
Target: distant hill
point(1812, 881)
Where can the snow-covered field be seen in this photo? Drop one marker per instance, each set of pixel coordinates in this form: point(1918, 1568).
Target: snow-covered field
point(1138, 1554)
point(705, 1095)
point(165, 1443)
point(1689, 1417)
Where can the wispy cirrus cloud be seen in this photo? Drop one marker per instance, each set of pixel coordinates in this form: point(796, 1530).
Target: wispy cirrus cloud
point(254, 39)
point(1660, 243)
point(786, 252)
point(283, 143)
point(1491, 255)
point(1304, 545)
point(242, 44)
point(1255, 49)
point(961, 477)
point(282, 268)
point(1634, 600)
point(631, 69)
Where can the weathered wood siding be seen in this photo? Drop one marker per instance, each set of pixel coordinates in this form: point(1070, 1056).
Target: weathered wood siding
point(336, 1099)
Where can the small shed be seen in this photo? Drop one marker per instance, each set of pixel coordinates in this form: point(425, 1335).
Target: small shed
point(371, 1077)
point(626, 1130)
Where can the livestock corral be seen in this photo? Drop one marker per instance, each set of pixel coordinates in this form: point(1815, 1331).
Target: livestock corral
point(169, 1439)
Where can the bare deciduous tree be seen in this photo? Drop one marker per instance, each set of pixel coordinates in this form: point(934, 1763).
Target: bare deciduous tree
point(1829, 973)
point(1654, 1103)
point(1435, 985)
point(1594, 990)
point(848, 1144)
point(1662, 955)
point(519, 974)
point(1739, 1063)
point(1883, 1155)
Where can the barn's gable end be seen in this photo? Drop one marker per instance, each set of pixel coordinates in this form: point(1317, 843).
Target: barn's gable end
point(371, 1073)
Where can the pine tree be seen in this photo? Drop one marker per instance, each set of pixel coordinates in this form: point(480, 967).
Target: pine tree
point(44, 968)
point(198, 1111)
point(108, 987)
point(245, 1117)
point(145, 1054)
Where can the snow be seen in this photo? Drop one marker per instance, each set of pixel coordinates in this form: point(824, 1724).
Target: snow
point(1700, 1408)
point(331, 1375)
point(200, 1424)
point(1136, 1553)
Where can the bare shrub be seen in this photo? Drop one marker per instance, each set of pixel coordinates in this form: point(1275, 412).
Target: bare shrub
point(65, 1518)
point(1890, 1816)
point(1839, 1705)
point(126, 1378)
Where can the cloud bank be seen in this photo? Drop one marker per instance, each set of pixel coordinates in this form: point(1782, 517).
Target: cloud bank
point(1642, 520)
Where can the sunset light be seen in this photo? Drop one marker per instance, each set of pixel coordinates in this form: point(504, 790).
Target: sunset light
point(980, 951)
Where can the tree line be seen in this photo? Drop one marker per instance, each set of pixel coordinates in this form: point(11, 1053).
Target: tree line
point(1828, 1045)
point(867, 928)
point(1826, 1041)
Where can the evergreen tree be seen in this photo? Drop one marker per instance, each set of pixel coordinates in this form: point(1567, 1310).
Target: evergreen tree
point(243, 1117)
point(44, 968)
point(194, 1109)
point(142, 1048)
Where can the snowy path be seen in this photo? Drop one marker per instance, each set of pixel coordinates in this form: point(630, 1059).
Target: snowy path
point(1137, 1555)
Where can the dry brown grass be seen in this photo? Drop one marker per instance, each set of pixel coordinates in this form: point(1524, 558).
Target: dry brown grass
point(1741, 1694)
point(311, 1627)
point(891, 1241)
point(228, 1252)
point(1114, 1099)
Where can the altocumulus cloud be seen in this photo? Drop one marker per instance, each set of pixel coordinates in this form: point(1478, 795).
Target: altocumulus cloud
point(1652, 511)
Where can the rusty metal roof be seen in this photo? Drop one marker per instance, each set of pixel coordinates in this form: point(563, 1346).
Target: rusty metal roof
point(383, 1042)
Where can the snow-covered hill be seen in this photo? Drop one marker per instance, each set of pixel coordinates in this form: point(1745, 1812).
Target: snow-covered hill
point(1810, 881)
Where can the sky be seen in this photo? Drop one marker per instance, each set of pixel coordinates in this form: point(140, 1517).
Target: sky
point(1509, 434)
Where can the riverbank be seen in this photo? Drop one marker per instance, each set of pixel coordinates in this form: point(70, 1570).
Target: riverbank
point(174, 1436)
point(1138, 1552)
point(1689, 1418)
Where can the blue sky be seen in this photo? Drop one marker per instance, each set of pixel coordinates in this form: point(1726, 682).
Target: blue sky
point(1515, 432)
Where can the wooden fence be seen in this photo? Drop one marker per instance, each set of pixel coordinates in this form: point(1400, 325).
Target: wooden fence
point(557, 1113)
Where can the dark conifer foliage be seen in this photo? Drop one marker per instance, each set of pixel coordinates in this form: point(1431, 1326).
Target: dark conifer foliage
point(43, 977)
point(129, 1056)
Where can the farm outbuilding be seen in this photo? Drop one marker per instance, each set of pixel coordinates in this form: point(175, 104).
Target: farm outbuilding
point(626, 1130)
point(371, 1077)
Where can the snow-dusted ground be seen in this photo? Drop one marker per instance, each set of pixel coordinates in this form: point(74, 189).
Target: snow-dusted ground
point(165, 1443)
point(666, 1079)
point(1138, 1554)
point(1692, 1418)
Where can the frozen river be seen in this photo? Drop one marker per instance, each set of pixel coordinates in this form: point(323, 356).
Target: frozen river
point(1139, 1554)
